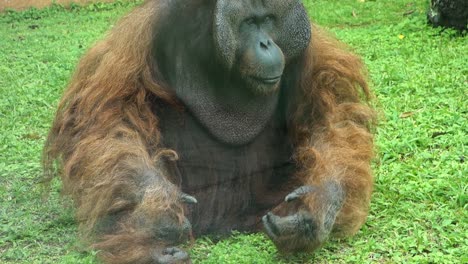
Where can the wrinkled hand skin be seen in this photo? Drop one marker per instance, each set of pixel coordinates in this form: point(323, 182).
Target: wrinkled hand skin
point(168, 227)
point(169, 230)
point(172, 232)
point(300, 228)
point(171, 255)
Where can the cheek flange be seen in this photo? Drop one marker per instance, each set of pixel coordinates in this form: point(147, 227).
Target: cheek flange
point(294, 31)
point(224, 37)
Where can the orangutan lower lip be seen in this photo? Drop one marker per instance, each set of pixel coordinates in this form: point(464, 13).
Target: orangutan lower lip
point(271, 80)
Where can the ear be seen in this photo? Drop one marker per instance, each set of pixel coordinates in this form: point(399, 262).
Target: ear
point(295, 30)
point(224, 38)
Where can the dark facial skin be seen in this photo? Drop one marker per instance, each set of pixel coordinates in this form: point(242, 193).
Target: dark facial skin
point(261, 61)
point(227, 64)
point(256, 41)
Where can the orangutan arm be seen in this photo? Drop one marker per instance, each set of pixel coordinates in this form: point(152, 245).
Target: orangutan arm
point(124, 196)
point(335, 196)
point(332, 126)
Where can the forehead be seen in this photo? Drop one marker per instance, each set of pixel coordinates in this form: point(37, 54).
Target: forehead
point(238, 7)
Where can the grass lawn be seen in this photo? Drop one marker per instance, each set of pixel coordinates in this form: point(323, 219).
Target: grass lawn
point(420, 77)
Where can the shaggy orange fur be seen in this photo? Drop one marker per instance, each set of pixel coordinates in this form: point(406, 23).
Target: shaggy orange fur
point(105, 134)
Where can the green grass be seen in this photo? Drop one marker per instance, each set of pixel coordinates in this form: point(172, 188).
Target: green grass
point(419, 74)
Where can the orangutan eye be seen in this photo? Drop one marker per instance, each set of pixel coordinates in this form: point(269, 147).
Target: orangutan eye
point(269, 18)
point(250, 21)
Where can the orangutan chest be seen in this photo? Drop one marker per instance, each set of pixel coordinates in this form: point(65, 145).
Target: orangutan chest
point(226, 180)
point(205, 162)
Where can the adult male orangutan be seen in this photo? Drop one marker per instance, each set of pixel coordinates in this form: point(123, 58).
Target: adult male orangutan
point(197, 117)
